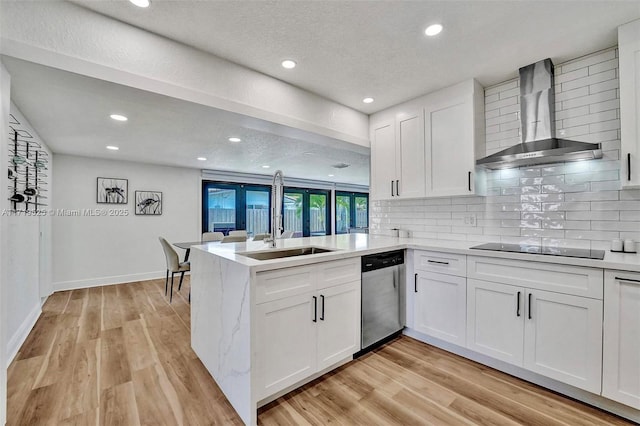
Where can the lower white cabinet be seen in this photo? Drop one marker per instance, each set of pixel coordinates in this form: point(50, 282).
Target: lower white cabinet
point(621, 357)
point(563, 338)
point(300, 335)
point(495, 320)
point(553, 334)
point(440, 306)
point(338, 324)
point(286, 336)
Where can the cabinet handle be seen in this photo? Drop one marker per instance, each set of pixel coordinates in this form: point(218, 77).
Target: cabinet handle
point(398, 188)
point(315, 309)
point(322, 309)
point(628, 166)
point(438, 262)
point(530, 306)
point(469, 181)
point(518, 306)
point(392, 188)
point(415, 283)
point(627, 279)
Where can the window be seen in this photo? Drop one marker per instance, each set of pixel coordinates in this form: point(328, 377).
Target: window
point(352, 211)
point(306, 212)
point(227, 207)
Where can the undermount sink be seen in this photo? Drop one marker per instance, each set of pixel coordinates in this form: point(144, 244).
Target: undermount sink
point(278, 254)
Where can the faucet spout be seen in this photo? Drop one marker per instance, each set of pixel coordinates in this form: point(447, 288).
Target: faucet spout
point(277, 195)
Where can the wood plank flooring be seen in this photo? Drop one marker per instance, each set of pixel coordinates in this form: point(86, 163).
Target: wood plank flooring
point(121, 355)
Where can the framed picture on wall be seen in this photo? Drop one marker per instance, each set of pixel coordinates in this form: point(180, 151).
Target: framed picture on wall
point(148, 203)
point(112, 191)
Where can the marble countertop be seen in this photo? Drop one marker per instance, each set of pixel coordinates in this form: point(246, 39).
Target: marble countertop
point(355, 245)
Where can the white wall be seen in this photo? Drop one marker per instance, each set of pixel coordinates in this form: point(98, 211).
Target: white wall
point(81, 41)
point(28, 238)
point(90, 250)
point(5, 99)
point(577, 204)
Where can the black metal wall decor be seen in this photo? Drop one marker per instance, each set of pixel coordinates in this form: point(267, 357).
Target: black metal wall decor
point(112, 191)
point(148, 203)
point(28, 162)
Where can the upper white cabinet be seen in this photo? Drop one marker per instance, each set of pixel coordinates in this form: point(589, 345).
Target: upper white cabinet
point(427, 147)
point(397, 157)
point(454, 138)
point(621, 357)
point(629, 52)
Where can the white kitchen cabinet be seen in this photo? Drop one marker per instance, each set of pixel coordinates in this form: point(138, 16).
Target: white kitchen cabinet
point(307, 319)
point(427, 147)
point(454, 138)
point(495, 320)
point(440, 306)
point(338, 324)
point(563, 338)
point(383, 161)
point(629, 63)
point(397, 157)
point(287, 340)
point(621, 357)
point(552, 333)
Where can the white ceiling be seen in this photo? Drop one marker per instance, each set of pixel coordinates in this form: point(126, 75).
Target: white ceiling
point(71, 113)
point(347, 50)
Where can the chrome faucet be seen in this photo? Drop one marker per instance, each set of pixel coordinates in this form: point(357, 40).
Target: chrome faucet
point(277, 195)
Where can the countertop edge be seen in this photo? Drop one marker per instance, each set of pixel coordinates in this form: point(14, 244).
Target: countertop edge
point(355, 245)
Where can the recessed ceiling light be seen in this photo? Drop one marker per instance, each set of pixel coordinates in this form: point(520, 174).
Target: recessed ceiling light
point(265, 166)
point(201, 159)
point(235, 140)
point(288, 64)
point(331, 175)
point(367, 100)
point(433, 30)
point(118, 117)
point(140, 3)
point(112, 147)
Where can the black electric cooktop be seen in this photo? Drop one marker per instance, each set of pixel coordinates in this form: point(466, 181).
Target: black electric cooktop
point(551, 251)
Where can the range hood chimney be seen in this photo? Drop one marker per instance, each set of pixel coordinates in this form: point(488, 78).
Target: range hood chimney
point(537, 115)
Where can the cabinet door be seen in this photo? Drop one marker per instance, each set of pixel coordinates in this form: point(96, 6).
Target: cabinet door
point(563, 338)
point(495, 316)
point(338, 323)
point(621, 357)
point(440, 306)
point(286, 342)
point(383, 162)
point(629, 52)
point(449, 145)
point(411, 167)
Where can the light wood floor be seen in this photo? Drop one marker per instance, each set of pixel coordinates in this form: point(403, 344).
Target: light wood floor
point(121, 355)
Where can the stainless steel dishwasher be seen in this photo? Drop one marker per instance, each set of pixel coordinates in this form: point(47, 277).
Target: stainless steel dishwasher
point(383, 313)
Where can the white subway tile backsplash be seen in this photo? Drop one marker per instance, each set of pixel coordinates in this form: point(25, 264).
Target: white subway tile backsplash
point(590, 99)
point(589, 79)
point(577, 204)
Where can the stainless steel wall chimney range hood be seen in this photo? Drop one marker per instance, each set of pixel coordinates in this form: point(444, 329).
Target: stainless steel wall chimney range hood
point(537, 115)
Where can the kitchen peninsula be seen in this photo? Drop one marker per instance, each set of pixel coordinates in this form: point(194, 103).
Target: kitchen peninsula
point(257, 327)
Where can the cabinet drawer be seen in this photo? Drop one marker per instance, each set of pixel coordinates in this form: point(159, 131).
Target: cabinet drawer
point(338, 272)
point(444, 263)
point(281, 283)
point(567, 279)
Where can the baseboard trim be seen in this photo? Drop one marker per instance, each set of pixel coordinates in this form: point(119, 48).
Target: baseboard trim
point(18, 338)
point(521, 373)
point(116, 279)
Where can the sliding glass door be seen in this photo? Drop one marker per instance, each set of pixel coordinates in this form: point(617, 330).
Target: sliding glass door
point(352, 211)
point(306, 212)
point(226, 207)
